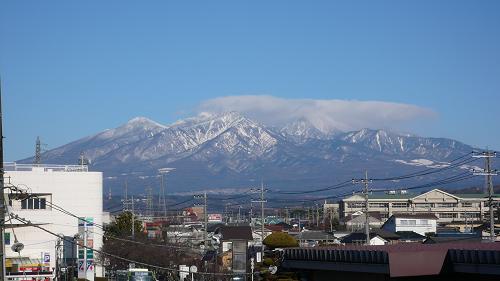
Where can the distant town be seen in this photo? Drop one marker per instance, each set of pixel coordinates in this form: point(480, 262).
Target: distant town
point(250, 140)
point(57, 228)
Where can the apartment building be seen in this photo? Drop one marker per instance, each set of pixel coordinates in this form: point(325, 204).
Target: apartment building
point(68, 187)
point(448, 208)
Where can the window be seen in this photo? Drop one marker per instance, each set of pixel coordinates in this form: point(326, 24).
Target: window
point(378, 205)
point(404, 222)
point(34, 204)
point(470, 215)
point(466, 204)
point(400, 205)
point(356, 204)
point(447, 215)
point(424, 205)
point(412, 222)
point(446, 205)
point(424, 222)
point(6, 238)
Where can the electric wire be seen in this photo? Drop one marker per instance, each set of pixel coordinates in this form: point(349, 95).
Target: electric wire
point(27, 222)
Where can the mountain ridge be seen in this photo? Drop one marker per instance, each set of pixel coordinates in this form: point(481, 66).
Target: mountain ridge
point(230, 150)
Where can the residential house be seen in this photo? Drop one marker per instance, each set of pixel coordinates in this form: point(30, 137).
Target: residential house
point(356, 221)
point(421, 223)
point(377, 237)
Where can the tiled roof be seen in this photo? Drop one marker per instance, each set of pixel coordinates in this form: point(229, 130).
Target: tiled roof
point(314, 235)
point(361, 236)
point(410, 235)
point(236, 233)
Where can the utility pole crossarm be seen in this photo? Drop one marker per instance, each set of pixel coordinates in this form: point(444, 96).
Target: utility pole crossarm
point(488, 174)
point(365, 182)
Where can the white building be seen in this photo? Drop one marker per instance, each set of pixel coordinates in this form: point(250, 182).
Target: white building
point(72, 188)
point(418, 223)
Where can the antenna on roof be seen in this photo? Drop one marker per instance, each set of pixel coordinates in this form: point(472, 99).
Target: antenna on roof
point(82, 161)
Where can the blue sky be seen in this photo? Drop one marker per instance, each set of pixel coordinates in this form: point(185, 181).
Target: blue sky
point(70, 69)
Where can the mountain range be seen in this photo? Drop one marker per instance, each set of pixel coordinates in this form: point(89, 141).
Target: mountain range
point(231, 151)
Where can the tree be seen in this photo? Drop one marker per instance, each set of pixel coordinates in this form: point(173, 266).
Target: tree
point(118, 242)
point(280, 240)
point(122, 226)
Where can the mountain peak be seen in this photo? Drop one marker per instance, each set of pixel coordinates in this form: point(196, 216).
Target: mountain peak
point(143, 121)
point(302, 129)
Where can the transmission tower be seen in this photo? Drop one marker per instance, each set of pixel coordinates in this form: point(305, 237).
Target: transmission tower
point(205, 216)
point(261, 201)
point(488, 173)
point(125, 200)
point(162, 200)
point(38, 152)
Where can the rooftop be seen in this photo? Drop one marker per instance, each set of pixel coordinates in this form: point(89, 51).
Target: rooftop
point(236, 233)
point(428, 216)
point(13, 166)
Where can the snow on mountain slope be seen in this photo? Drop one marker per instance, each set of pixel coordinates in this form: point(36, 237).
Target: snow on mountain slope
point(224, 148)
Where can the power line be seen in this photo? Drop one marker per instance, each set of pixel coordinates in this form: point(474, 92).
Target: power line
point(27, 222)
point(337, 186)
point(488, 173)
point(365, 182)
point(2, 195)
point(429, 171)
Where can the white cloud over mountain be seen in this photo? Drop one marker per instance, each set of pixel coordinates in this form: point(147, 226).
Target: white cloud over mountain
point(326, 115)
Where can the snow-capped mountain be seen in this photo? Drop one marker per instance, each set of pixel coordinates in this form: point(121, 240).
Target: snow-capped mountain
point(302, 130)
point(229, 150)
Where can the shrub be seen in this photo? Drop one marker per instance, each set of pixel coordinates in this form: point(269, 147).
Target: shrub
point(280, 240)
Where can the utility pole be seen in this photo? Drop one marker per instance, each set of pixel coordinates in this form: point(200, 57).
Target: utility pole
point(261, 201)
point(2, 195)
point(251, 213)
point(488, 173)
point(365, 181)
point(85, 248)
point(149, 202)
point(133, 219)
point(239, 214)
point(317, 215)
point(331, 219)
point(205, 235)
point(226, 212)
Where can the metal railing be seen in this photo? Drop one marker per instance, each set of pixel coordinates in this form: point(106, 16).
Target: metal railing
point(13, 166)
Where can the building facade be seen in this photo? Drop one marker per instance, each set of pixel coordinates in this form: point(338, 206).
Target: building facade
point(69, 187)
point(418, 223)
point(449, 208)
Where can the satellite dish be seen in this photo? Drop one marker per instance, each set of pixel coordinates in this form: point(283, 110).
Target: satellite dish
point(273, 269)
point(193, 269)
point(17, 247)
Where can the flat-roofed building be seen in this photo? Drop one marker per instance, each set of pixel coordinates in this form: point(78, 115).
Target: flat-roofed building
point(68, 187)
point(447, 207)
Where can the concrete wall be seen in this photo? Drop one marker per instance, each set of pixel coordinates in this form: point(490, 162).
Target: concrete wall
point(77, 192)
